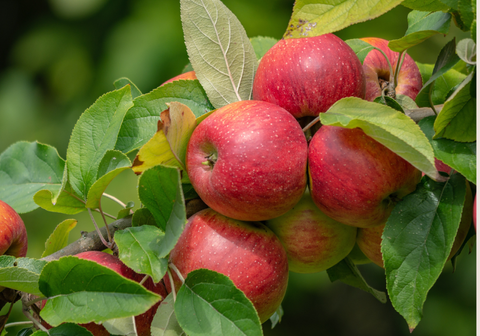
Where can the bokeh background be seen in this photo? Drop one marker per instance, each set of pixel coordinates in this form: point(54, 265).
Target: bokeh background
point(58, 56)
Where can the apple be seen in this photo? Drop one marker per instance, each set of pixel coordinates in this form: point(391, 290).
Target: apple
point(248, 253)
point(142, 321)
point(13, 234)
point(354, 179)
point(189, 75)
point(369, 239)
point(248, 160)
point(378, 74)
point(307, 75)
point(314, 242)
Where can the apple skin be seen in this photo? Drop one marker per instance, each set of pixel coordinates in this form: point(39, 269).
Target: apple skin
point(248, 253)
point(143, 321)
point(189, 75)
point(355, 179)
point(369, 239)
point(13, 234)
point(307, 75)
point(375, 67)
point(248, 160)
point(314, 242)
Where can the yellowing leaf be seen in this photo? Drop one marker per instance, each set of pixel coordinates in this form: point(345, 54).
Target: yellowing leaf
point(59, 237)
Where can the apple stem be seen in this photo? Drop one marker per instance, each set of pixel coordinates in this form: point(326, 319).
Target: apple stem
point(134, 326)
point(144, 279)
point(400, 59)
point(81, 200)
point(310, 124)
point(31, 302)
point(109, 235)
point(211, 160)
point(430, 101)
point(390, 87)
point(175, 269)
point(14, 324)
point(98, 229)
point(170, 277)
point(37, 324)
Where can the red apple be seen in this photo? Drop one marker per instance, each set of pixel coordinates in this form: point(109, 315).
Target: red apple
point(185, 76)
point(142, 321)
point(248, 253)
point(369, 239)
point(13, 234)
point(355, 179)
point(248, 160)
point(306, 76)
point(313, 241)
point(378, 74)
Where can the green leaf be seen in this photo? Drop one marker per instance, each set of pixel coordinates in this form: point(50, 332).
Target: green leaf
point(127, 211)
point(317, 17)
point(426, 5)
point(94, 134)
point(361, 48)
point(121, 82)
point(140, 122)
point(25, 168)
point(441, 87)
point(68, 329)
point(82, 291)
point(347, 272)
point(21, 274)
point(457, 119)
point(208, 303)
point(465, 8)
point(421, 26)
point(460, 156)
point(276, 318)
point(417, 240)
point(467, 51)
point(139, 249)
point(59, 237)
point(143, 216)
point(219, 50)
point(261, 44)
point(165, 321)
point(389, 127)
point(388, 101)
point(445, 61)
point(121, 326)
point(406, 102)
point(113, 163)
point(23, 332)
point(65, 202)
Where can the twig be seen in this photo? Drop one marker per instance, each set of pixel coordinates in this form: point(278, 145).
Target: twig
point(172, 285)
point(34, 321)
point(175, 269)
point(113, 198)
point(98, 229)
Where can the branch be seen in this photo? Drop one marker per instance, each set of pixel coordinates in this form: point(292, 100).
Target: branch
point(422, 112)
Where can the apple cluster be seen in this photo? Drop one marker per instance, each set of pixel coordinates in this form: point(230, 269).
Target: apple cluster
point(277, 201)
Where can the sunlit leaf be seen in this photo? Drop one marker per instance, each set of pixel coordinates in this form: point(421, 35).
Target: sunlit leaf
point(361, 48)
point(467, 51)
point(21, 273)
point(59, 237)
point(261, 44)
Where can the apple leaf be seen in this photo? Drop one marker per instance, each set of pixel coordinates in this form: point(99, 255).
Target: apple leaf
point(59, 237)
point(276, 318)
point(143, 216)
point(178, 125)
point(428, 6)
point(361, 48)
point(347, 272)
point(165, 321)
point(442, 85)
point(317, 17)
point(121, 326)
point(457, 119)
point(421, 26)
point(25, 168)
point(65, 202)
point(139, 249)
point(445, 61)
point(113, 163)
point(417, 240)
point(121, 82)
point(127, 211)
point(82, 291)
point(140, 122)
point(21, 273)
point(94, 134)
point(460, 156)
point(389, 127)
point(406, 102)
point(261, 44)
point(65, 330)
point(386, 100)
point(467, 51)
point(219, 50)
point(208, 303)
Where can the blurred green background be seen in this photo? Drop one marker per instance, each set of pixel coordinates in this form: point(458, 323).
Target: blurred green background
point(58, 56)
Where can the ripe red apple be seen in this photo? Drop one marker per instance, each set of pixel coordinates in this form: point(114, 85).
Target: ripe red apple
point(142, 321)
point(248, 253)
point(248, 160)
point(13, 234)
point(313, 241)
point(355, 179)
point(378, 74)
point(186, 76)
point(307, 75)
point(369, 239)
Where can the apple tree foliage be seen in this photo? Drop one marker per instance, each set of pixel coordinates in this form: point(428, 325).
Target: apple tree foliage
point(156, 127)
